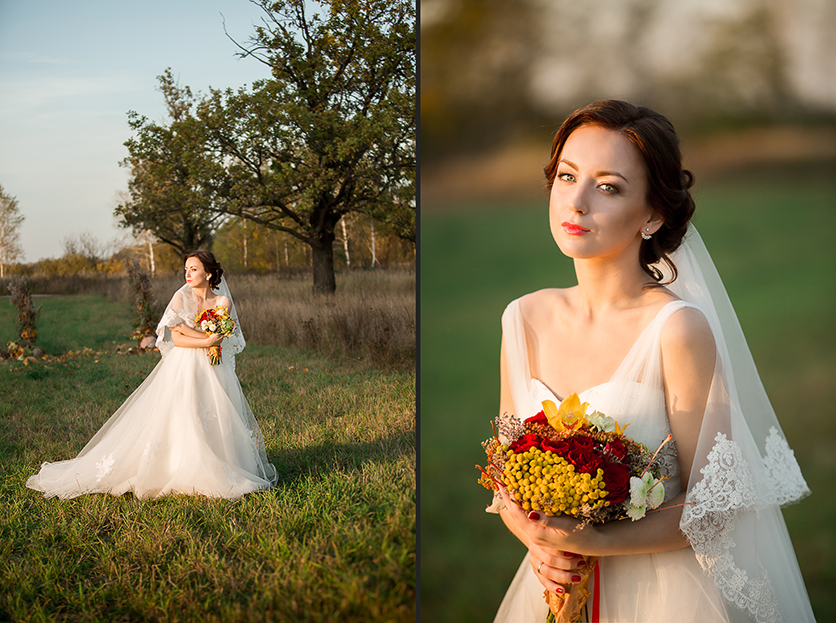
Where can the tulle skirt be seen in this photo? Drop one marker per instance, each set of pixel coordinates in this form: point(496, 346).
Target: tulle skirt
point(187, 429)
point(668, 587)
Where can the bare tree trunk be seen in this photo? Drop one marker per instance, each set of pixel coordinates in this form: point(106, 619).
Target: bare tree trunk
point(345, 244)
point(245, 245)
point(286, 256)
point(374, 249)
point(151, 257)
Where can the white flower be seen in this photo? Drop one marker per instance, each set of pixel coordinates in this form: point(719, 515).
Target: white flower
point(212, 327)
point(636, 512)
point(639, 488)
point(204, 324)
point(601, 422)
point(656, 495)
point(645, 492)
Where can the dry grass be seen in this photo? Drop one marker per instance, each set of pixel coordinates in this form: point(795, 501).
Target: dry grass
point(371, 315)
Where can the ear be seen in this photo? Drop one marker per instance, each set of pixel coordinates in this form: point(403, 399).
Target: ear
point(652, 225)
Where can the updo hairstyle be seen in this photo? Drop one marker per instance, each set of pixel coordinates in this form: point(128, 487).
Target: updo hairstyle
point(210, 265)
point(667, 182)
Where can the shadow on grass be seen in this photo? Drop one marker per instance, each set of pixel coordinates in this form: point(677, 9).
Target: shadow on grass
point(297, 464)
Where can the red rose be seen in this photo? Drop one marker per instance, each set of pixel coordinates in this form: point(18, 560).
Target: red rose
point(560, 446)
point(582, 441)
point(540, 418)
point(617, 448)
point(617, 482)
point(525, 442)
point(585, 461)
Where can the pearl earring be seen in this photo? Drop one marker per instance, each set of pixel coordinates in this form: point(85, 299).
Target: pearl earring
point(646, 236)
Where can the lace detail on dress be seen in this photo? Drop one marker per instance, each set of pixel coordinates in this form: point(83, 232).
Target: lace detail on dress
point(205, 414)
point(151, 450)
point(104, 467)
point(232, 477)
point(708, 521)
point(788, 485)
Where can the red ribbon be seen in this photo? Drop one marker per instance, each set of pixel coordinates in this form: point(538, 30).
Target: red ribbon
point(596, 597)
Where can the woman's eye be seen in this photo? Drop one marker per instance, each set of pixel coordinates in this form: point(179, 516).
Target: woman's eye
point(608, 188)
point(566, 177)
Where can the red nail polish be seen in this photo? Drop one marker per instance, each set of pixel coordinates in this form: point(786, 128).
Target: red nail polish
point(582, 563)
point(534, 515)
point(576, 578)
point(559, 590)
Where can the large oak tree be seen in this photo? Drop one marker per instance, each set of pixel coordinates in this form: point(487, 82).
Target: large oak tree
point(333, 130)
point(330, 133)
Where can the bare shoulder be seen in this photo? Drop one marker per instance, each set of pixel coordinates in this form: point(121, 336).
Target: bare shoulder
point(687, 336)
point(223, 302)
point(541, 306)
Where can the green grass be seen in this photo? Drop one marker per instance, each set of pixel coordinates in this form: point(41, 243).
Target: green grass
point(68, 322)
point(771, 234)
point(334, 540)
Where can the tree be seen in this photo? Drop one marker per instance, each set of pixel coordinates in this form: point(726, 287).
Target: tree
point(333, 130)
point(10, 220)
point(173, 189)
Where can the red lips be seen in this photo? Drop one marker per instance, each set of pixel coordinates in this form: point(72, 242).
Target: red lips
point(573, 229)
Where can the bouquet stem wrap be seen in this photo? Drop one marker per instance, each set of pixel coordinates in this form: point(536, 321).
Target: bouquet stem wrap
point(568, 607)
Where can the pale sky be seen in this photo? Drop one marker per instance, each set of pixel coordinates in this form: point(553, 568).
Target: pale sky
point(69, 73)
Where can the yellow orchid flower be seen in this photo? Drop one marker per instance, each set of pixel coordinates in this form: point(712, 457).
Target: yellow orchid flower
point(570, 415)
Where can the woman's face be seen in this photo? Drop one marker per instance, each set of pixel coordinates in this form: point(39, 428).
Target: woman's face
point(598, 203)
point(196, 275)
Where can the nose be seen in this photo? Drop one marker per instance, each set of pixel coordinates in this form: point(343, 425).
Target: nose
point(576, 199)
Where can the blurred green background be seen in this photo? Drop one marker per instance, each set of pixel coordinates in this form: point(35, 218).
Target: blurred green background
point(771, 229)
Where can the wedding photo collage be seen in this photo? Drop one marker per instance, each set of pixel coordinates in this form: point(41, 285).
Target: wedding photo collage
point(418, 310)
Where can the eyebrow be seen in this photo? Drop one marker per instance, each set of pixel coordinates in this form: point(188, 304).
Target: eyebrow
point(599, 174)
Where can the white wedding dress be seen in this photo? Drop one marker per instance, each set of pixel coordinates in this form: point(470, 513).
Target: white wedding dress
point(187, 429)
point(740, 565)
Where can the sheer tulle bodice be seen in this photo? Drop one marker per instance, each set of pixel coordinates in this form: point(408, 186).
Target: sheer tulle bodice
point(187, 429)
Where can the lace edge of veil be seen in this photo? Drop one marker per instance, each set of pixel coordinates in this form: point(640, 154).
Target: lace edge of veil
point(713, 505)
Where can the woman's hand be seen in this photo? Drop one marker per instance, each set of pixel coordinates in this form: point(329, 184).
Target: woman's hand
point(554, 567)
point(213, 339)
point(552, 542)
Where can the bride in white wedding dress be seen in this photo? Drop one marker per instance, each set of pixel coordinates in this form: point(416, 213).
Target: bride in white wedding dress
point(649, 337)
point(188, 428)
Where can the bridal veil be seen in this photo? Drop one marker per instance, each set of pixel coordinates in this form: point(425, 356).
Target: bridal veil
point(744, 469)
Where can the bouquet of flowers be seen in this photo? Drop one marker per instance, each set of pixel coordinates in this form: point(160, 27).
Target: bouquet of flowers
point(215, 321)
point(564, 461)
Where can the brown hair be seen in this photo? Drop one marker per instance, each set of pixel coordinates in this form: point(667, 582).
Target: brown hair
point(667, 182)
point(210, 265)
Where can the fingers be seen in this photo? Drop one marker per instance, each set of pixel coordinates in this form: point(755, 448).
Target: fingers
point(563, 561)
point(553, 579)
point(561, 523)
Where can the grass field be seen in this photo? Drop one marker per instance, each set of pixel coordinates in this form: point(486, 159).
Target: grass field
point(334, 540)
point(771, 234)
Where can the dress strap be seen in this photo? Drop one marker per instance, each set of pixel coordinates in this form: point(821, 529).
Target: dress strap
point(516, 357)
